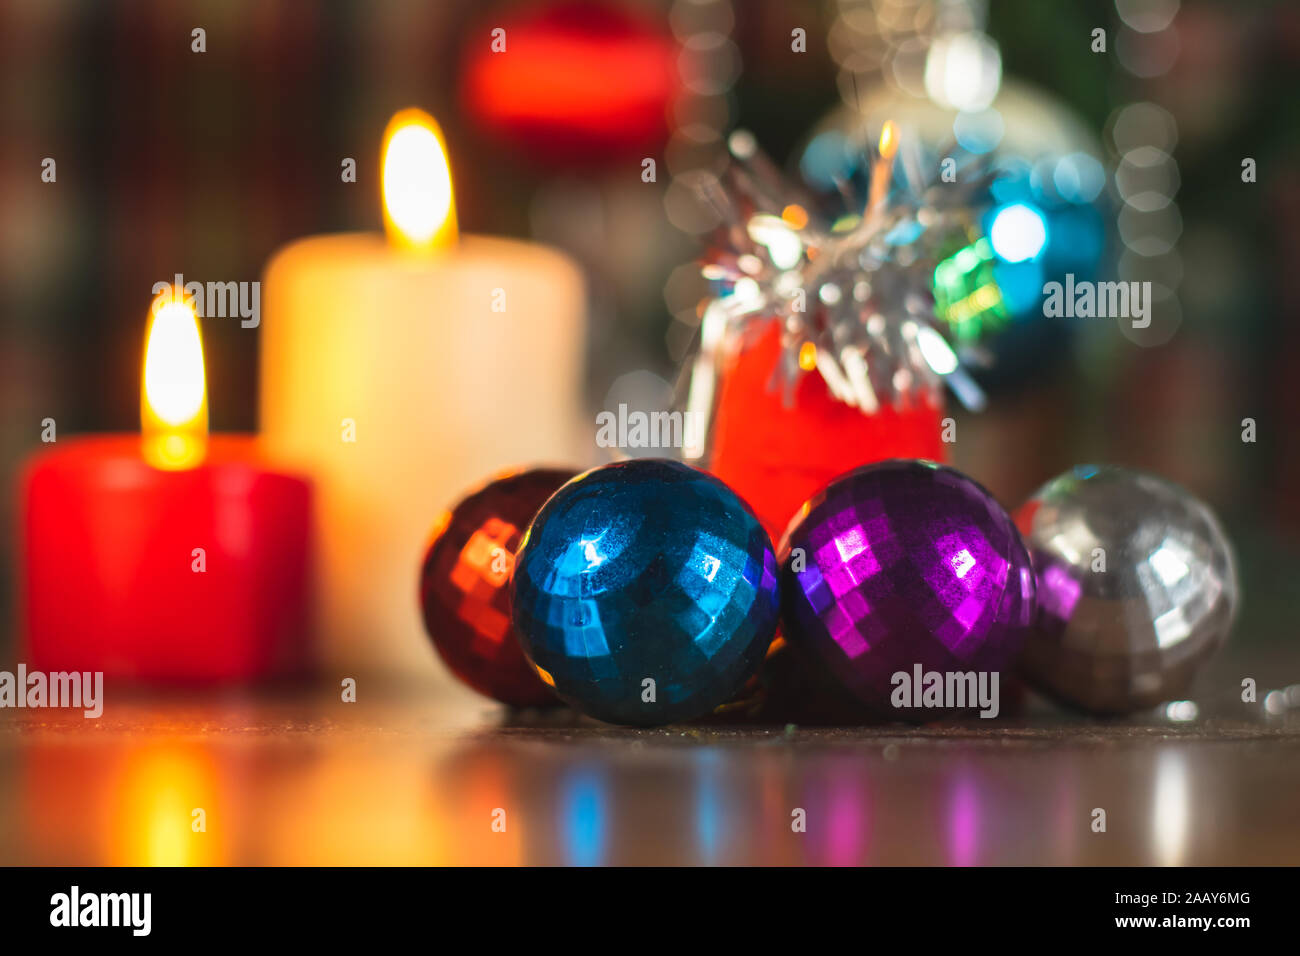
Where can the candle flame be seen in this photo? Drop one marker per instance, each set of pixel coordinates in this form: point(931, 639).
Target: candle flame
point(888, 139)
point(173, 396)
point(419, 209)
point(882, 170)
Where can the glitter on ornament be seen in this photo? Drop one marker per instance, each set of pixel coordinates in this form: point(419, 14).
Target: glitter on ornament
point(906, 568)
point(645, 593)
point(464, 593)
point(1137, 586)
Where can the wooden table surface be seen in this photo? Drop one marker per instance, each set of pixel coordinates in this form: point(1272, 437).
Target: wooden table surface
point(417, 776)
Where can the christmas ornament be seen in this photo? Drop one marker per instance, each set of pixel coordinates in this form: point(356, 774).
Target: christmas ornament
point(909, 583)
point(1038, 219)
point(845, 295)
point(939, 76)
point(541, 81)
point(849, 290)
point(464, 590)
point(1136, 587)
point(645, 592)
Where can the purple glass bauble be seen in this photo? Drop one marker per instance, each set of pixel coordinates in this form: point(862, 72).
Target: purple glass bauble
point(911, 585)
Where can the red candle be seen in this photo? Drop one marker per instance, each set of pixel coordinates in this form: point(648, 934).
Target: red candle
point(165, 556)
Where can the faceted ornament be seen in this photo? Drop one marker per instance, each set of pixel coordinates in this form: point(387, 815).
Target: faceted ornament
point(1137, 586)
point(903, 574)
point(464, 589)
point(645, 593)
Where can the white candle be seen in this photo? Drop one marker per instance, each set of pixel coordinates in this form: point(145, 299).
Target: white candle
point(401, 372)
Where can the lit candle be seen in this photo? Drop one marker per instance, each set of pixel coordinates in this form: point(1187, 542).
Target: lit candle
point(169, 555)
point(401, 371)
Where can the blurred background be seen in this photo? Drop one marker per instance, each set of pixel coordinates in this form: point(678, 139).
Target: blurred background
point(171, 161)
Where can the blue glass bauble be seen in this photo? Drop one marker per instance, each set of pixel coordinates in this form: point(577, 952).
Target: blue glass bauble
point(645, 592)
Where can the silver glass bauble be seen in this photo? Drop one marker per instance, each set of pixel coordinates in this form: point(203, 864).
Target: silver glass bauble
point(1137, 586)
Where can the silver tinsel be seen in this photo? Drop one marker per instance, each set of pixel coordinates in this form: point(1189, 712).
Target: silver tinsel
point(852, 294)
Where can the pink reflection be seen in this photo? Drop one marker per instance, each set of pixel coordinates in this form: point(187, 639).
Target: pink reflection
point(963, 823)
point(849, 819)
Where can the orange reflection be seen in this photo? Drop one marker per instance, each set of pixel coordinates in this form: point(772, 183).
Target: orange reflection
point(481, 570)
point(353, 806)
point(125, 805)
point(493, 822)
point(155, 800)
point(382, 807)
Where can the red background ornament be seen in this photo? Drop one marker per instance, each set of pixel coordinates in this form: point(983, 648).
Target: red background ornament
point(578, 82)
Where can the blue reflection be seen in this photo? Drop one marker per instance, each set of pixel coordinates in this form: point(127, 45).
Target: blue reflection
point(582, 818)
point(708, 808)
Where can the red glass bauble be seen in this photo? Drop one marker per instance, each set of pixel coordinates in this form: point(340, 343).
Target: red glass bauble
point(777, 456)
point(464, 591)
point(578, 82)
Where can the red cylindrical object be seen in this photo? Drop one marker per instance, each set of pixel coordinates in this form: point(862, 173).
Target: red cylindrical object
point(113, 581)
point(777, 456)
